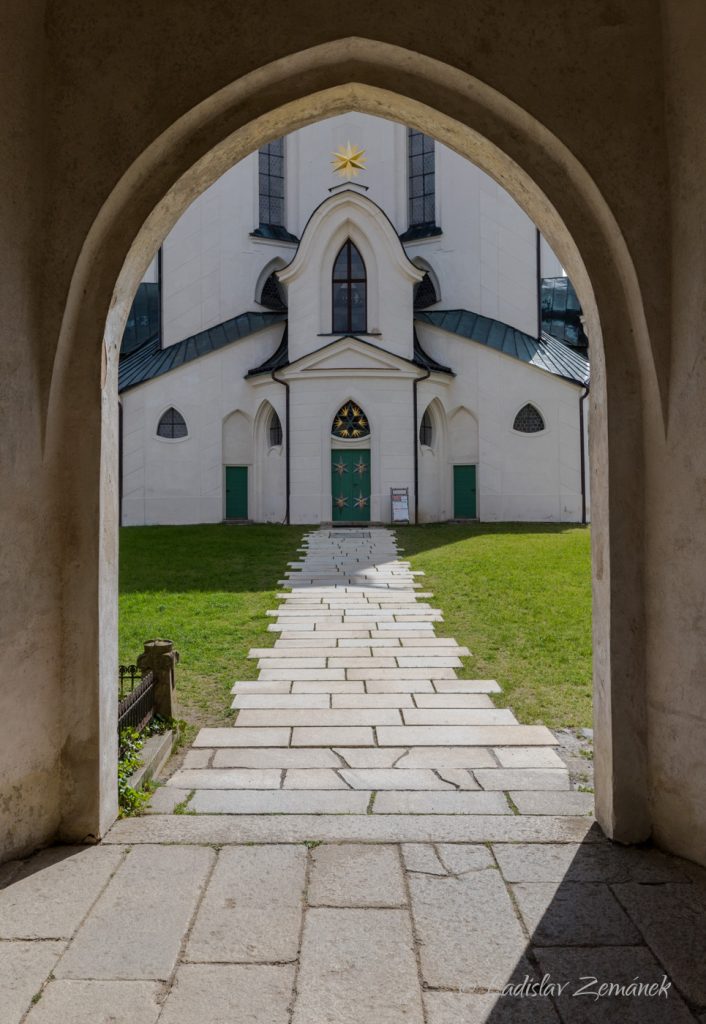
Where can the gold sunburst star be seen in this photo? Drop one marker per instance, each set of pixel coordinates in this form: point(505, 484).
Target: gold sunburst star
point(360, 467)
point(360, 501)
point(341, 502)
point(349, 161)
point(340, 467)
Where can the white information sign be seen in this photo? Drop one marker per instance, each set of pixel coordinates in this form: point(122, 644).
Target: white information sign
point(399, 498)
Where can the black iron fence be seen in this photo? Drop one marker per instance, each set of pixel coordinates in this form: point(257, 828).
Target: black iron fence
point(136, 697)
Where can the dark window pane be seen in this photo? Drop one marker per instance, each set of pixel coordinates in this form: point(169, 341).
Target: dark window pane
point(172, 424)
point(416, 211)
point(528, 420)
point(425, 430)
point(416, 142)
point(275, 430)
point(340, 307)
point(357, 265)
point(350, 422)
point(340, 267)
point(428, 162)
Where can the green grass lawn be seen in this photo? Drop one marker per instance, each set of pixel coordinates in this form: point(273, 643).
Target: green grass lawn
point(518, 595)
point(207, 588)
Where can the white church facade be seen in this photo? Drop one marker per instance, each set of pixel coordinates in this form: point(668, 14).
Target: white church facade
point(305, 345)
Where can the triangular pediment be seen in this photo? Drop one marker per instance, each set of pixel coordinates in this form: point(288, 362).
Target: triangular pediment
point(350, 355)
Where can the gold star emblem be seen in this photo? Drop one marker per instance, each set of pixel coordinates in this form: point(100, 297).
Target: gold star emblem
point(360, 501)
point(349, 161)
point(340, 467)
point(360, 467)
point(341, 502)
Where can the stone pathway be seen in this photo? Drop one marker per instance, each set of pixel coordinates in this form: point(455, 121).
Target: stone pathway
point(368, 843)
point(357, 709)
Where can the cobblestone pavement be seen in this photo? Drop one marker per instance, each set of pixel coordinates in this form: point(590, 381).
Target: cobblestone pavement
point(373, 841)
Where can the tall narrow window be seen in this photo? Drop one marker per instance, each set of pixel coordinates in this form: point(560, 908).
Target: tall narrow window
point(271, 184)
point(528, 420)
point(421, 183)
point(349, 291)
point(426, 432)
point(275, 430)
point(172, 424)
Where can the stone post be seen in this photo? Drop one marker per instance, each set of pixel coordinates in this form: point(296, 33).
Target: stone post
point(160, 658)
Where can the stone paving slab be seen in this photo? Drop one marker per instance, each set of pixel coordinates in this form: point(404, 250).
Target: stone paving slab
point(453, 700)
point(275, 757)
point(331, 717)
point(278, 801)
point(487, 1008)
point(573, 914)
point(528, 757)
point(313, 778)
point(372, 700)
point(252, 910)
point(523, 778)
point(468, 735)
point(387, 828)
point(447, 757)
point(596, 862)
point(230, 994)
point(357, 965)
point(440, 803)
point(318, 686)
point(370, 757)
point(96, 1002)
point(226, 778)
point(322, 736)
point(535, 802)
point(51, 894)
point(133, 932)
point(24, 967)
point(466, 686)
point(393, 778)
point(268, 701)
point(356, 875)
point(455, 716)
point(225, 737)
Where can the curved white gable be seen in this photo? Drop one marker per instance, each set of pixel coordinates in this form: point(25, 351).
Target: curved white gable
point(391, 276)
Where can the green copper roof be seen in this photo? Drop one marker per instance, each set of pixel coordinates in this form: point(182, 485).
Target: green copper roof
point(546, 353)
point(150, 360)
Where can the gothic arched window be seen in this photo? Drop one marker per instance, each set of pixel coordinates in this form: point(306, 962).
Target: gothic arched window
point(275, 430)
point(426, 430)
point(425, 293)
point(349, 291)
point(528, 420)
point(271, 295)
point(350, 422)
point(172, 424)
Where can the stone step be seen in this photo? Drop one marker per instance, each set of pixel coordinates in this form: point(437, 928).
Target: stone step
point(465, 736)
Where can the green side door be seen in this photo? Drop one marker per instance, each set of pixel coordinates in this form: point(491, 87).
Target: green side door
point(236, 492)
point(350, 486)
point(465, 492)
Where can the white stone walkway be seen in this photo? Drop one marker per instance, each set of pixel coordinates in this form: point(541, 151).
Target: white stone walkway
point(357, 709)
point(371, 843)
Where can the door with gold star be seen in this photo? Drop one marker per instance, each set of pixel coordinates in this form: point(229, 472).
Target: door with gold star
point(350, 486)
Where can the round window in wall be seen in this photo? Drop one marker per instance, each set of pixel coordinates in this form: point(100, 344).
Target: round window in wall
point(528, 420)
point(350, 422)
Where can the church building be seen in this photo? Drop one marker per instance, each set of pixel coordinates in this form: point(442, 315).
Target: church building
point(354, 314)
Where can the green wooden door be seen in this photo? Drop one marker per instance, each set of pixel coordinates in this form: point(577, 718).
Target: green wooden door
point(350, 486)
point(465, 492)
point(236, 492)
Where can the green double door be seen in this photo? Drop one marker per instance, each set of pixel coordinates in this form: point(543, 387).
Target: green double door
point(350, 486)
point(465, 492)
point(236, 492)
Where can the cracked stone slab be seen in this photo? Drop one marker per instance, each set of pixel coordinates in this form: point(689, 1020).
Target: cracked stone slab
point(461, 857)
point(135, 930)
point(24, 967)
point(275, 757)
point(358, 965)
point(370, 757)
point(253, 907)
point(95, 1002)
point(459, 777)
point(352, 875)
point(393, 778)
point(52, 891)
point(232, 993)
point(422, 857)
